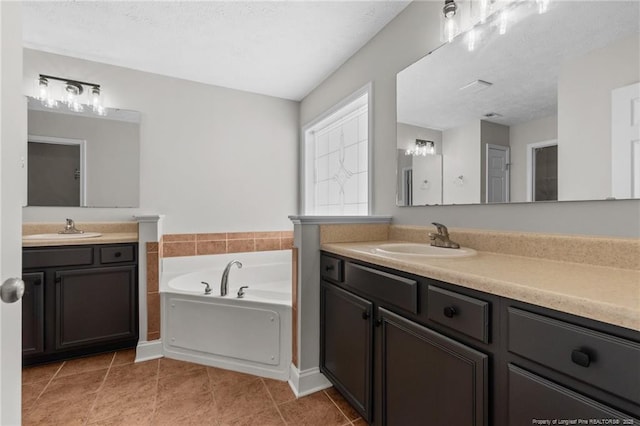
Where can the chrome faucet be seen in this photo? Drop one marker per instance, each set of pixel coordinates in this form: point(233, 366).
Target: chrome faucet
point(441, 238)
point(70, 228)
point(224, 283)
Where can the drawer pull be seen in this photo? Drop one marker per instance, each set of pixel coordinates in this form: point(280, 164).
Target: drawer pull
point(581, 358)
point(450, 312)
point(329, 268)
point(118, 254)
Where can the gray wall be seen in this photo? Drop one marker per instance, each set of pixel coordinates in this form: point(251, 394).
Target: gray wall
point(404, 40)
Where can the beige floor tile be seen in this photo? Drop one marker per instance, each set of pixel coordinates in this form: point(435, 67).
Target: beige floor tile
point(312, 410)
point(53, 413)
point(268, 417)
point(129, 400)
point(82, 365)
point(280, 391)
point(67, 388)
point(185, 409)
point(181, 386)
point(170, 366)
point(127, 356)
point(342, 404)
point(219, 375)
point(244, 398)
point(31, 392)
point(40, 373)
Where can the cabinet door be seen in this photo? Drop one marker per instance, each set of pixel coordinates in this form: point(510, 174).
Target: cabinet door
point(95, 305)
point(33, 313)
point(532, 398)
point(346, 345)
point(429, 379)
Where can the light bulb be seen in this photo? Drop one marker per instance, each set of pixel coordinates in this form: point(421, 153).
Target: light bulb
point(450, 29)
point(543, 6)
point(44, 94)
point(504, 20)
point(484, 10)
point(96, 101)
point(472, 37)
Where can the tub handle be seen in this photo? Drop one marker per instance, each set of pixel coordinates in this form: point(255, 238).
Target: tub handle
point(241, 291)
point(207, 288)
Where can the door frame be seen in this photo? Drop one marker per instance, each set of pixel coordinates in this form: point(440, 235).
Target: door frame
point(531, 164)
point(83, 160)
point(507, 165)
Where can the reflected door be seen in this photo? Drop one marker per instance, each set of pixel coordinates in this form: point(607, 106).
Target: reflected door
point(55, 173)
point(497, 174)
point(625, 141)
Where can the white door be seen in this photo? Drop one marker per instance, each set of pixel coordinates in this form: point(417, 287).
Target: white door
point(625, 142)
point(497, 181)
point(13, 133)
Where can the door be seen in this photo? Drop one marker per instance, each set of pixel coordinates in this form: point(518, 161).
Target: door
point(346, 345)
point(13, 134)
point(542, 171)
point(625, 141)
point(497, 181)
point(429, 379)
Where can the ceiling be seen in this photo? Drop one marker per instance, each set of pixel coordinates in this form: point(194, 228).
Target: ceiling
point(523, 65)
point(277, 48)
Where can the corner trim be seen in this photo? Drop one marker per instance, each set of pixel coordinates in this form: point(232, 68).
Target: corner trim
point(146, 351)
point(306, 382)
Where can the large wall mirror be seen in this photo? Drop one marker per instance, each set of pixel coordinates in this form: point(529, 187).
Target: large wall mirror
point(548, 111)
point(81, 159)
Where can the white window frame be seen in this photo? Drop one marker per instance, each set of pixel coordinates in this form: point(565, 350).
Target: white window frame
point(365, 90)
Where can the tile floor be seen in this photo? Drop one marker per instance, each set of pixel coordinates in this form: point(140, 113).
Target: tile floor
point(110, 389)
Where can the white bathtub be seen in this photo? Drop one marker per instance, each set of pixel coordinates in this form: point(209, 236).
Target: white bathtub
point(250, 334)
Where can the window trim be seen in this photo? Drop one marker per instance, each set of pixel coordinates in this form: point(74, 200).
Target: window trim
point(367, 89)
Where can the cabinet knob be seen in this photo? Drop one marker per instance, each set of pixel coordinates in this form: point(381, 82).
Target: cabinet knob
point(118, 254)
point(450, 312)
point(328, 268)
point(581, 358)
point(366, 315)
point(378, 322)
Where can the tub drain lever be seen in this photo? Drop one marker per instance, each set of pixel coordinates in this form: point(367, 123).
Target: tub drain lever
point(207, 288)
point(241, 291)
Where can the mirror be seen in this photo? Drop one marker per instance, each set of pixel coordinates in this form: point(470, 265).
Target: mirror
point(548, 111)
point(82, 159)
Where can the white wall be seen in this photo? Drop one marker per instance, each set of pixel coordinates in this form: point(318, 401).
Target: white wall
point(520, 135)
point(461, 173)
point(211, 159)
point(403, 41)
point(584, 117)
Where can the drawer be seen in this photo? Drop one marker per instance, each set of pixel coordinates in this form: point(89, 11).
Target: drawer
point(606, 362)
point(392, 289)
point(461, 313)
point(58, 256)
point(117, 254)
point(331, 268)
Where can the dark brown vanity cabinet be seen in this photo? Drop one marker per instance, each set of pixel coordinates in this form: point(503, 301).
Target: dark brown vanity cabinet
point(407, 350)
point(390, 367)
point(79, 300)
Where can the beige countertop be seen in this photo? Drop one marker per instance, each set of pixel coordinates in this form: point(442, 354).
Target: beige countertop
point(105, 238)
point(610, 295)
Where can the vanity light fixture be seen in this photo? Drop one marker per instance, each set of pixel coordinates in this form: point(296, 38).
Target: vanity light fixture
point(450, 25)
point(421, 148)
point(73, 94)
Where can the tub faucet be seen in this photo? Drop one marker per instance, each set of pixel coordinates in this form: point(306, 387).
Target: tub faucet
point(441, 238)
point(224, 283)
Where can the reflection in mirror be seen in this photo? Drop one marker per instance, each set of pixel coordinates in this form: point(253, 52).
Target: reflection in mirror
point(548, 111)
point(81, 159)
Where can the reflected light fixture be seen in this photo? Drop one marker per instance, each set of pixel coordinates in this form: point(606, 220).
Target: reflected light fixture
point(421, 148)
point(72, 94)
point(450, 26)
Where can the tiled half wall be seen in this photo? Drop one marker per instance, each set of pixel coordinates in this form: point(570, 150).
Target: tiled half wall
point(174, 245)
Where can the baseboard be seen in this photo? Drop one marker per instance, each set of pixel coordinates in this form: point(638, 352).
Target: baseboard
point(306, 382)
point(149, 350)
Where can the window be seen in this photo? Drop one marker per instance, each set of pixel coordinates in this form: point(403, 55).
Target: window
point(336, 160)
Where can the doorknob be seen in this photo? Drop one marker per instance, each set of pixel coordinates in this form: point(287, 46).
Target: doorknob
point(12, 290)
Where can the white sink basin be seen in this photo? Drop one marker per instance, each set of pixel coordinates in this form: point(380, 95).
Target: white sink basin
point(418, 250)
point(61, 236)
